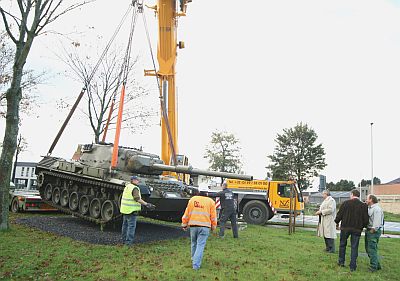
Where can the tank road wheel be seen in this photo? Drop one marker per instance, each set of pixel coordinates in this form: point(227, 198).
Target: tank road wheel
point(74, 201)
point(255, 212)
point(15, 205)
point(119, 201)
point(84, 203)
point(108, 210)
point(56, 195)
point(95, 208)
point(40, 179)
point(48, 191)
point(64, 198)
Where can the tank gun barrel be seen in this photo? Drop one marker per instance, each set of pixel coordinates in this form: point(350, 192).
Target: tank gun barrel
point(193, 171)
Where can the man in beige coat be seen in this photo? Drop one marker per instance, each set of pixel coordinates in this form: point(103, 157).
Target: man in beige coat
point(327, 225)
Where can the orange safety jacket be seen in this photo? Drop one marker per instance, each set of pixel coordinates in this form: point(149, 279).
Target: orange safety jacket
point(200, 211)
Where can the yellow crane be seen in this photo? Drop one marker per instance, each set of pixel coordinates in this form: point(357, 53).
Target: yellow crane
point(168, 12)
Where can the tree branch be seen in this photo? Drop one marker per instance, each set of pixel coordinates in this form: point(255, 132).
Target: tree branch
point(7, 26)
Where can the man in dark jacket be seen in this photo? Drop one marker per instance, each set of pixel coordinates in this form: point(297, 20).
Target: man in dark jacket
point(353, 215)
point(228, 210)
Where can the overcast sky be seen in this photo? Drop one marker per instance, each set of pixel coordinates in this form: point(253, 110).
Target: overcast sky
point(251, 68)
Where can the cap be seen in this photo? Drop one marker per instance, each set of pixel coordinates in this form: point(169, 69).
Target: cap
point(134, 178)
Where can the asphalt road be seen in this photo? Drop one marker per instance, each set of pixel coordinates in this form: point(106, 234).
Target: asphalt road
point(313, 220)
point(89, 232)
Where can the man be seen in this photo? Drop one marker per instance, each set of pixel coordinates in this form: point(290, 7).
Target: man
point(130, 207)
point(374, 231)
point(353, 215)
point(200, 216)
point(228, 210)
point(327, 227)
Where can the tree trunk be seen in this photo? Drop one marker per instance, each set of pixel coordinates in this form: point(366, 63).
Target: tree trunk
point(14, 96)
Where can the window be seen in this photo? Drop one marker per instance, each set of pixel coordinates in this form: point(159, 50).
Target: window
point(22, 171)
point(27, 172)
point(284, 190)
point(33, 172)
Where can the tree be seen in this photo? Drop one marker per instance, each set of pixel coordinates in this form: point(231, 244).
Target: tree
point(297, 156)
point(103, 87)
point(342, 185)
point(368, 182)
point(21, 146)
point(31, 19)
point(223, 153)
point(30, 79)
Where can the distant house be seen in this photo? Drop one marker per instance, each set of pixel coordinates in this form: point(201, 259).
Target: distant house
point(25, 176)
point(389, 195)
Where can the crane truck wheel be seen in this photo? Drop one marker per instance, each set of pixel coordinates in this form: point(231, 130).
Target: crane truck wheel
point(15, 205)
point(255, 212)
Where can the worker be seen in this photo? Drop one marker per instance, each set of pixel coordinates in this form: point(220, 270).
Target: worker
point(200, 216)
point(130, 207)
point(374, 231)
point(228, 211)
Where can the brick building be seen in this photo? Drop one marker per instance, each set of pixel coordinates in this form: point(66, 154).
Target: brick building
point(389, 195)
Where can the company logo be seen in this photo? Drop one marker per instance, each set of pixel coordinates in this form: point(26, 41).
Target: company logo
point(198, 205)
point(284, 204)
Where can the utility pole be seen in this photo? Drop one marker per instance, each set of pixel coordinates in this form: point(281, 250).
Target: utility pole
point(372, 164)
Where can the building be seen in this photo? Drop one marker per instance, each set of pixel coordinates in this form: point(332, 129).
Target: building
point(388, 195)
point(25, 176)
point(339, 196)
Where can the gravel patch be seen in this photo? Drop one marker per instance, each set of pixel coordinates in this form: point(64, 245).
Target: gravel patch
point(89, 232)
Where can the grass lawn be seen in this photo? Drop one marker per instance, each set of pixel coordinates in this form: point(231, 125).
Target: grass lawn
point(392, 217)
point(261, 253)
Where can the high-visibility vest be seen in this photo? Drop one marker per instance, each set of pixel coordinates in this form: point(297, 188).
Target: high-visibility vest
point(200, 211)
point(128, 204)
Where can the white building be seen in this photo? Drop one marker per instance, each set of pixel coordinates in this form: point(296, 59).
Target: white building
point(25, 176)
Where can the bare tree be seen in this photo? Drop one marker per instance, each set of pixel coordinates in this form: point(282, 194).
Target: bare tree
point(22, 145)
point(102, 90)
point(30, 79)
point(31, 19)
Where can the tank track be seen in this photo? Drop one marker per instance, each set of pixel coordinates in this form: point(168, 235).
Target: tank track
point(81, 180)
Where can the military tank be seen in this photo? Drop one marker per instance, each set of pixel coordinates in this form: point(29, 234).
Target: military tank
point(87, 188)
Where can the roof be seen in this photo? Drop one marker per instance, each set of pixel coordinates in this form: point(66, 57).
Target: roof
point(387, 189)
point(394, 181)
point(26, 164)
point(334, 194)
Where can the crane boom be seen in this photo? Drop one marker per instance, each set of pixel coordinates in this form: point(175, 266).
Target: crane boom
point(168, 13)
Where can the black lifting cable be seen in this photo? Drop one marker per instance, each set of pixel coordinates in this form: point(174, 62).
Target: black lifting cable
point(109, 43)
point(126, 64)
point(88, 81)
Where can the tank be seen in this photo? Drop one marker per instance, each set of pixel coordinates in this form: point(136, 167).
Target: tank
point(87, 188)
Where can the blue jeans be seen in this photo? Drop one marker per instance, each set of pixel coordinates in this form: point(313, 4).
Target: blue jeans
point(128, 228)
point(198, 238)
point(354, 240)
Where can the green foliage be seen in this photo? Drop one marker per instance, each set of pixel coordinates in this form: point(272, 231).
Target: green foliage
point(368, 182)
point(223, 153)
point(297, 156)
point(342, 185)
point(261, 253)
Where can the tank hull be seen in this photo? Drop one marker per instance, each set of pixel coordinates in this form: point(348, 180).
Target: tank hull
point(98, 200)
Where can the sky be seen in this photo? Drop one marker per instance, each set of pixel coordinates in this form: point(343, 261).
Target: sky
point(251, 69)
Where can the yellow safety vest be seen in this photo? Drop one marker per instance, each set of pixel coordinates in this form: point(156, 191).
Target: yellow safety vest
point(128, 204)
